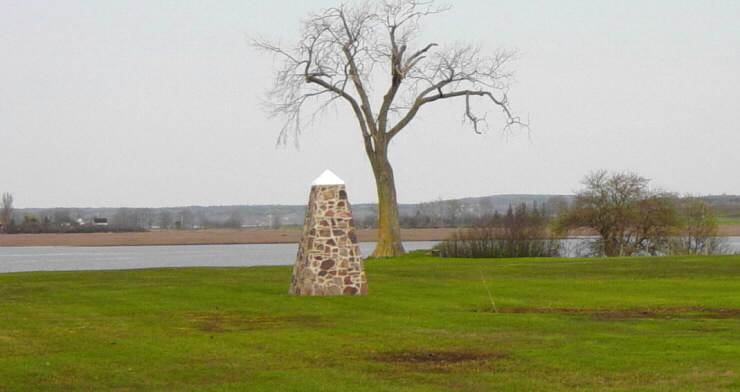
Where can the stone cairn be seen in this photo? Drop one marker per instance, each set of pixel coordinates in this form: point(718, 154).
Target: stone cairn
point(328, 261)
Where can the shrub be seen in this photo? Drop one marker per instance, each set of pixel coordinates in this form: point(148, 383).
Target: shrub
point(630, 218)
point(519, 233)
point(699, 225)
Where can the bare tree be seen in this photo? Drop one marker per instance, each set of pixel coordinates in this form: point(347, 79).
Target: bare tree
point(235, 219)
point(6, 211)
point(630, 218)
point(346, 52)
point(485, 206)
point(453, 210)
point(165, 219)
point(275, 219)
point(187, 218)
point(556, 205)
point(699, 229)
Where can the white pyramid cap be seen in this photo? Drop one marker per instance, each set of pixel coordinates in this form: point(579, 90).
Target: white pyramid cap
point(328, 178)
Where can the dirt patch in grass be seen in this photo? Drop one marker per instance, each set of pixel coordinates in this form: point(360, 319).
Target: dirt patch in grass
point(21, 293)
point(233, 322)
point(709, 329)
point(438, 360)
point(685, 312)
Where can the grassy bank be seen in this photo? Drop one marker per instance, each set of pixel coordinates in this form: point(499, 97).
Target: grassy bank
point(729, 220)
point(429, 324)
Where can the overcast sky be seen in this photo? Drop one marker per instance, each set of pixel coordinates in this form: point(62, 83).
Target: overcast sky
point(157, 103)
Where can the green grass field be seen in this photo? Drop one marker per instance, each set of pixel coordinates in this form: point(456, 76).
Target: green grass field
point(728, 220)
point(428, 324)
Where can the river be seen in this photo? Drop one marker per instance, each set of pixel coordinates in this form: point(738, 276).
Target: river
point(61, 258)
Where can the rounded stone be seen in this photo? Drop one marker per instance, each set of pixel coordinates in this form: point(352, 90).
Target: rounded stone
point(326, 264)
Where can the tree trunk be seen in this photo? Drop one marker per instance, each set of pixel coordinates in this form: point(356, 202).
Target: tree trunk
point(389, 230)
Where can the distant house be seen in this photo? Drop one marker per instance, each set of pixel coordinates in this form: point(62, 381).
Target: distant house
point(100, 222)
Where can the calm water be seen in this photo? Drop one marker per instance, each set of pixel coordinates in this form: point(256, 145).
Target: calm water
point(60, 258)
point(19, 259)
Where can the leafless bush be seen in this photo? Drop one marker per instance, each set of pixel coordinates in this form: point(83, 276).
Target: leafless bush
point(699, 230)
point(522, 232)
point(6, 212)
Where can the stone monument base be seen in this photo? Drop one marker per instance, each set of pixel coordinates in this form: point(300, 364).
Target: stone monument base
point(328, 260)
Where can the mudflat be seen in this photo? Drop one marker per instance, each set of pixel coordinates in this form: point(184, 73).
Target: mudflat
point(197, 237)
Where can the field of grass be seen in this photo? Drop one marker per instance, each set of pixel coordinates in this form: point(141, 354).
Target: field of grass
point(728, 220)
point(428, 324)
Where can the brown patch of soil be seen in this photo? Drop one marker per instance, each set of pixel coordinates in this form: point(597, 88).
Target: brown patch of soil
point(709, 329)
point(438, 360)
point(198, 237)
point(233, 322)
point(685, 312)
point(729, 230)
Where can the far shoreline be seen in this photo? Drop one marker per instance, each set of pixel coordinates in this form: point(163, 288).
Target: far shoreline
point(230, 237)
point(196, 237)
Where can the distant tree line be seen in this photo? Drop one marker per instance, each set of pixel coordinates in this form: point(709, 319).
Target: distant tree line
point(73, 220)
point(58, 220)
point(456, 213)
point(609, 205)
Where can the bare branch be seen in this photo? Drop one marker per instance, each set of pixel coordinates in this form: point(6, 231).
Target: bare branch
point(463, 72)
point(343, 46)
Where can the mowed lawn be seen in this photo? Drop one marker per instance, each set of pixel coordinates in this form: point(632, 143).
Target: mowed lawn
point(428, 324)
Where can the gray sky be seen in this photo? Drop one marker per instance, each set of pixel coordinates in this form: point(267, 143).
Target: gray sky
point(144, 103)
